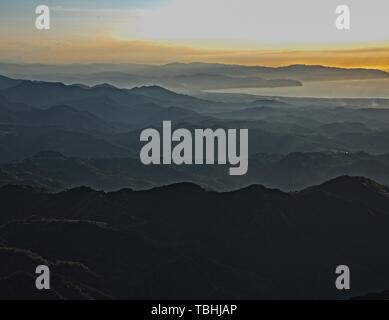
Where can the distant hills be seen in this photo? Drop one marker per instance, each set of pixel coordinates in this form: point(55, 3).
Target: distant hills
point(189, 231)
point(104, 121)
point(44, 94)
point(52, 171)
point(251, 243)
point(187, 76)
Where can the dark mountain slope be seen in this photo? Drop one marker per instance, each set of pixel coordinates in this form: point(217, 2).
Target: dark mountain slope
point(64, 117)
point(54, 171)
point(46, 94)
point(22, 141)
point(6, 83)
point(182, 241)
point(357, 189)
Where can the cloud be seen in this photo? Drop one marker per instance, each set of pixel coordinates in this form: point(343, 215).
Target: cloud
point(262, 21)
point(109, 50)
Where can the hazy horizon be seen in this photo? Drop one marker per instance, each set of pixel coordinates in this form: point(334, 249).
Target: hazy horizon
point(166, 31)
point(5, 62)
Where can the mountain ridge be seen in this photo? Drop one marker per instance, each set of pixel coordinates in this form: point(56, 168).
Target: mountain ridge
point(185, 77)
point(191, 186)
point(254, 243)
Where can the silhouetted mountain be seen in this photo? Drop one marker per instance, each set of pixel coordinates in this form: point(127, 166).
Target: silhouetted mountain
point(188, 76)
point(55, 172)
point(317, 72)
point(106, 121)
point(45, 94)
point(6, 83)
point(169, 98)
point(189, 231)
point(296, 72)
point(250, 243)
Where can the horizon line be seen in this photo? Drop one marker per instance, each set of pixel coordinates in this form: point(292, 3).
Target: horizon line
point(192, 63)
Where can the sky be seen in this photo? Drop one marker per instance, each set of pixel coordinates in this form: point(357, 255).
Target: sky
point(250, 32)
